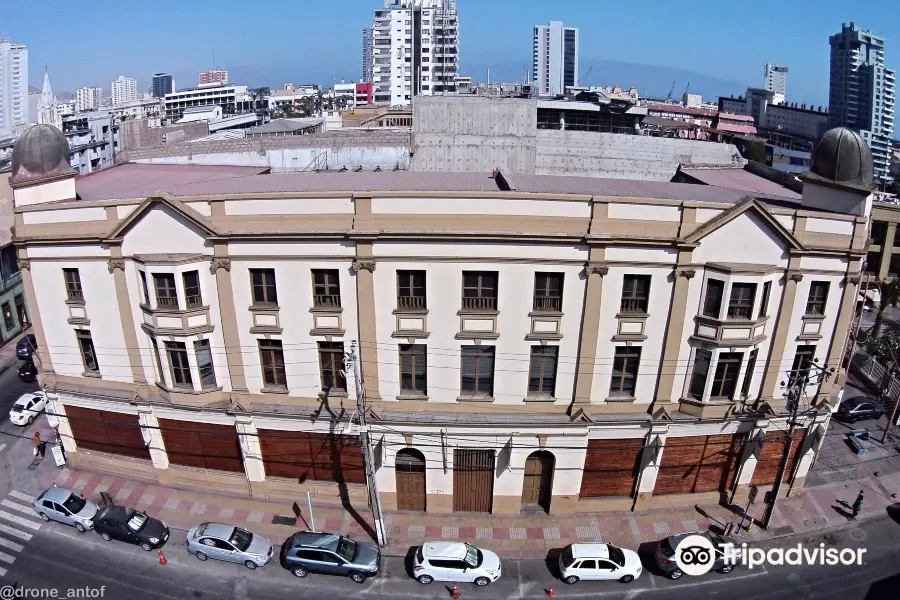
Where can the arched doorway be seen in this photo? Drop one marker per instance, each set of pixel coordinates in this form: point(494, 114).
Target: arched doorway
point(410, 471)
point(538, 483)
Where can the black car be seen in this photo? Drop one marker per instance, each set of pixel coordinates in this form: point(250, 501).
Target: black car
point(858, 409)
point(26, 346)
point(28, 372)
point(132, 526)
point(665, 553)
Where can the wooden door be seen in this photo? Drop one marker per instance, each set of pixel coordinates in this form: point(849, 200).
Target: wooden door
point(410, 471)
point(473, 480)
point(536, 487)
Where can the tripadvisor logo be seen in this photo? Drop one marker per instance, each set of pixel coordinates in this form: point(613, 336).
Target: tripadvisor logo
point(695, 555)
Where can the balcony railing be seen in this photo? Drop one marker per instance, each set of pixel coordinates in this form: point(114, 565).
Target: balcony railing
point(411, 302)
point(740, 312)
point(481, 303)
point(547, 304)
point(815, 308)
point(167, 302)
point(75, 294)
point(633, 305)
point(327, 301)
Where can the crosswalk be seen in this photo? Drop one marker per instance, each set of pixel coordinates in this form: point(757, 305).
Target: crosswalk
point(18, 524)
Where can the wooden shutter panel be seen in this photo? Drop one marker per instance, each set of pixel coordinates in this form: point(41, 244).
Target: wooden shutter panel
point(312, 456)
point(611, 467)
point(106, 431)
point(770, 457)
point(699, 464)
point(202, 445)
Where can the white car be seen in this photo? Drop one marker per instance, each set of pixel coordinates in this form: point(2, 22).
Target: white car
point(598, 562)
point(27, 408)
point(456, 562)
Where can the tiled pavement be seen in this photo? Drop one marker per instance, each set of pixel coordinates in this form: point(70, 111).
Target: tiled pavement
point(526, 536)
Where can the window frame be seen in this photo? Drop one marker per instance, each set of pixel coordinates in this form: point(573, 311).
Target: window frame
point(273, 350)
point(743, 303)
point(485, 298)
point(696, 376)
point(409, 280)
point(415, 354)
point(8, 321)
point(476, 353)
point(627, 355)
point(327, 292)
point(803, 351)
point(208, 381)
point(192, 300)
point(764, 300)
point(546, 386)
point(145, 289)
point(179, 369)
point(817, 300)
point(727, 373)
point(331, 361)
point(157, 356)
point(752, 357)
point(544, 298)
point(632, 302)
point(268, 288)
point(719, 284)
point(72, 280)
point(168, 300)
point(84, 338)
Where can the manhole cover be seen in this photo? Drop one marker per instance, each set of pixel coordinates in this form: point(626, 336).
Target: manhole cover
point(279, 520)
point(858, 534)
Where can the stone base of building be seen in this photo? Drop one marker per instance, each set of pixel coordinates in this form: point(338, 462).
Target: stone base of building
point(506, 505)
point(604, 504)
point(681, 500)
point(439, 504)
point(564, 505)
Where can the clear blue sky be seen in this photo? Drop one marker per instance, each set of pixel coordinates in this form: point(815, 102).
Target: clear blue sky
point(275, 41)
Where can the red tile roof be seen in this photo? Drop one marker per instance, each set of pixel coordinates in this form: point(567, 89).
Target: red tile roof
point(739, 179)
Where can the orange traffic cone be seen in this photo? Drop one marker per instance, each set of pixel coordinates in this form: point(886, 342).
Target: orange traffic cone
point(454, 591)
point(162, 557)
point(549, 592)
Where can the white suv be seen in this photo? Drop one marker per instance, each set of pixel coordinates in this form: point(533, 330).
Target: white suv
point(598, 562)
point(455, 561)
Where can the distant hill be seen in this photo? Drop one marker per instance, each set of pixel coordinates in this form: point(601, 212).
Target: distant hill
point(59, 95)
point(33, 90)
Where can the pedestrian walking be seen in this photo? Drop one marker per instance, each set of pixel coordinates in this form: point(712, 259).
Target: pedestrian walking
point(36, 440)
point(857, 504)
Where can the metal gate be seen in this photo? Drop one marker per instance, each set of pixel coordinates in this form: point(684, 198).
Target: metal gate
point(410, 470)
point(473, 480)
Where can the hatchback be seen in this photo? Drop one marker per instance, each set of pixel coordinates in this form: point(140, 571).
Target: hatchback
point(665, 553)
point(598, 562)
point(27, 408)
point(26, 346)
point(455, 562)
point(858, 409)
point(28, 372)
point(60, 504)
point(308, 551)
point(132, 526)
point(230, 544)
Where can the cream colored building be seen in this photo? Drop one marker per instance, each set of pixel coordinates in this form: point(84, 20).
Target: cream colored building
point(577, 344)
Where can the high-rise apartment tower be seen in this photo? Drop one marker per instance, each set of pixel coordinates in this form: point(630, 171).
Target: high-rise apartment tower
point(555, 58)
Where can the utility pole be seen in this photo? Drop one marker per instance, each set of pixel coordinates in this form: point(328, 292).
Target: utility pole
point(351, 364)
point(797, 383)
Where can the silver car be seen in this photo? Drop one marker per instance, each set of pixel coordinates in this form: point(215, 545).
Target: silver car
point(65, 506)
point(229, 543)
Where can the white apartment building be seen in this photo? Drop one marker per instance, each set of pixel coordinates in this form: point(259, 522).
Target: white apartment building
point(232, 98)
point(13, 85)
point(415, 50)
point(368, 40)
point(88, 98)
point(775, 81)
point(555, 58)
point(579, 344)
point(150, 109)
point(124, 89)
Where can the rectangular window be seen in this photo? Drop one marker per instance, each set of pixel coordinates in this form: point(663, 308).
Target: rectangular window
point(413, 369)
point(205, 364)
point(326, 288)
point(144, 289)
point(818, 295)
point(331, 362)
point(73, 284)
point(802, 361)
point(192, 289)
point(179, 365)
point(263, 282)
point(542, 371)
point(477, 373)
point(479, 290)
point(764, 301)
point(635, 294)
point(272, 358)
point(625, 370)
point(712, 304)
point(166, 294)
point(701, 371)
point(548, 292)
point(748, 373)
point(411, 290)
point(157, 358)
point(740, 304)
point(8, 317)
point(88, 354)
point(727, 370)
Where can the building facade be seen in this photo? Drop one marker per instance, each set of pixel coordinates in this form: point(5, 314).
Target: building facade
point(213, 76)
point(233, 99)
point(775, 81)
point(415, 50)
point(555, 53)
point(88, 98)
point(163, 84)
point(13, 310)
point(13, 85)
point(784, 118)
point(123, 89)
point(93, 140)
point(48, 109)
point(568, 343)
point(368, 46)
point(861, 92)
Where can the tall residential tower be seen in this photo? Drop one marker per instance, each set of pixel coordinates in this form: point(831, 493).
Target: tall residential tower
point(123, 89)
point(555, 58)
point(13, 85)
point(776, 82)
point(367, 44)
point(861, 93)
point(415, 50)
point(162, 85)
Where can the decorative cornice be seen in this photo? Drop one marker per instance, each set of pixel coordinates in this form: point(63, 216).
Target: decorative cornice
point(24, 263)
point(600, 269)
point(853, 279)
point(686, 273)
point(366, 264)
point(798, 277)
point(115, 263)
point(219, 263)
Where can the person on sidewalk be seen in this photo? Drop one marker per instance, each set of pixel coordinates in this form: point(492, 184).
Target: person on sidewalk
point(36, 440)
point(857, 504)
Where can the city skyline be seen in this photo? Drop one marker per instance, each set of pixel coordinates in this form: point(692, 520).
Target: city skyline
point(801, 44)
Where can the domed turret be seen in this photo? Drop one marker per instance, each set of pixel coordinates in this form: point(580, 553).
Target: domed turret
point(843, 157)
point(41, 153)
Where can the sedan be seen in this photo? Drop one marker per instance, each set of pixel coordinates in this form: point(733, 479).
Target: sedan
point(857, 409)
point(230, 544)
point(28, 372)
point(26, 346)
point(60, 504)
point(665, 553)
point(27, 408)
point(132, 526)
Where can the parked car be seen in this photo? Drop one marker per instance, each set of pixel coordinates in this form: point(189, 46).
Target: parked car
point(28, 372)
point(598, 562)
point(132, 526)
point(27, 408)
point(65, 506)
point(307, 551)
point(455, 562)
point(230, 544)
point(665, 553)
point(858, 409)
point(26, 346)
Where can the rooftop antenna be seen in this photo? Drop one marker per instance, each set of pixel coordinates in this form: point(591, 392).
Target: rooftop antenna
point(214, 59)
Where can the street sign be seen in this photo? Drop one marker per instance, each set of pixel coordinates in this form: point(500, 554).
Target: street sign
point(58, 455)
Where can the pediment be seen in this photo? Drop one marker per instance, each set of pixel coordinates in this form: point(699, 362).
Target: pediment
point(752, 208)
point(169, 204)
